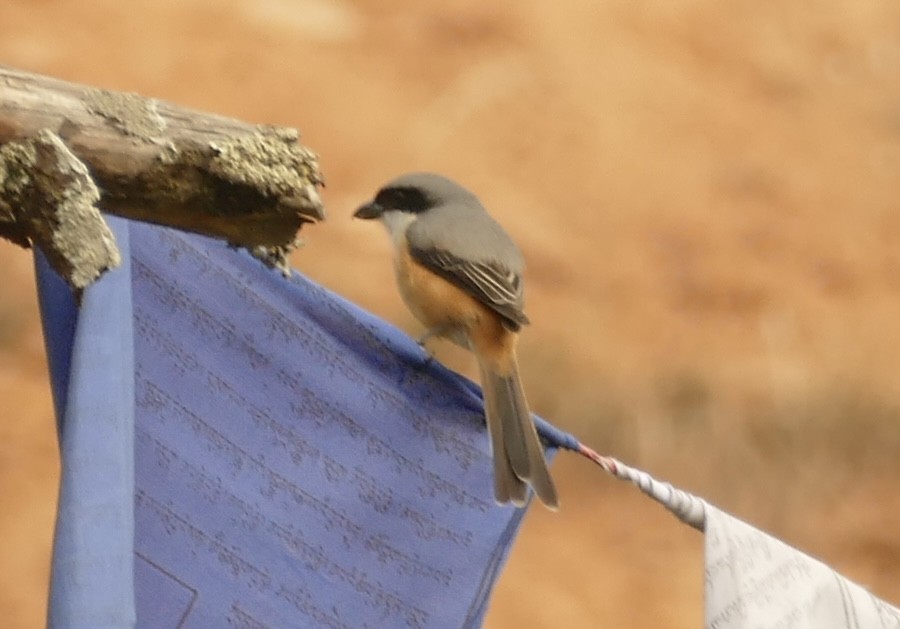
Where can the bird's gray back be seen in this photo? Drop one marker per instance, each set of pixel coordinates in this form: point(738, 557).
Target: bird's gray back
point(466, 231)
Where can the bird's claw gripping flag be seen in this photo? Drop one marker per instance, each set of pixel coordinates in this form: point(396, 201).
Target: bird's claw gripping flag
point(241, 449)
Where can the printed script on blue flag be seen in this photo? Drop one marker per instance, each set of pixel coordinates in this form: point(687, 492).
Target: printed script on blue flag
point(297, 462)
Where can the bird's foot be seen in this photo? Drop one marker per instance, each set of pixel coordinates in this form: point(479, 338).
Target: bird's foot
point(429, 334)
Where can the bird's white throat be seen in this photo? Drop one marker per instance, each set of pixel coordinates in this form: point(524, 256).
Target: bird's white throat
point(397, 223)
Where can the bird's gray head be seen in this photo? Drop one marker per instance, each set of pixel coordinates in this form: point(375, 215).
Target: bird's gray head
point(413, 194)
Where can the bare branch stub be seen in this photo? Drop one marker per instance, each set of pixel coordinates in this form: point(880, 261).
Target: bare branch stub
point(253, 185)
point(47, 198)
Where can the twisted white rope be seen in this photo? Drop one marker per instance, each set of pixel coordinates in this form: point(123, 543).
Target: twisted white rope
point(688, 508)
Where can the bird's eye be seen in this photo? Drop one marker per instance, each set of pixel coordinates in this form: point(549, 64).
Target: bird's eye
point(406, 199)
point(383, 198)
point(391, 197)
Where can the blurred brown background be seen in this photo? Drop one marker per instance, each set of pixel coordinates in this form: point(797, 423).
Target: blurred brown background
point(708, 196)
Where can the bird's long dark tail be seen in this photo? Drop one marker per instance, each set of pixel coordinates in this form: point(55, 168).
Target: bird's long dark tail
point(518, 454)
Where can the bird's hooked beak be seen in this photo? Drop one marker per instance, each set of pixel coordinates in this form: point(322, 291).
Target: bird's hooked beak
point(369, 210)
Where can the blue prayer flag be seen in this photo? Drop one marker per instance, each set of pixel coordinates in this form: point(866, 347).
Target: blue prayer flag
point(245, 449)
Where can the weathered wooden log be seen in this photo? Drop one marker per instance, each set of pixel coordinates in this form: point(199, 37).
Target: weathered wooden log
point(68, 150)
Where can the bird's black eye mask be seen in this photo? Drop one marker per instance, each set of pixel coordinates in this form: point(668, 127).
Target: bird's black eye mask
point(405, 199)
